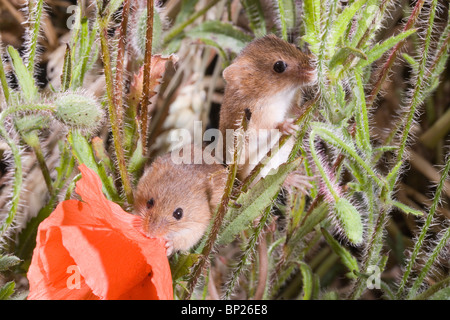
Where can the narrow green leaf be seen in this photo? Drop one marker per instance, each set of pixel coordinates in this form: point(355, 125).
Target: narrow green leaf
point(24, 77)
point(312, 22)
point(365, 21)
point(412, 62)
point(3, 80)
point(342, 22)
point(7, 290)
point(82, 150)
point(255, 14)
point(66, 75)
point(183, 265)
point(225, 35)
point(406, 209)
point(346, 258)
point(443, 294)
point(187, 8)
point(310, 222)
point(35, 19)
point(343, 53)
point(111, 7)
point(8, 261)
point(253, 202)
point(349, 220)
point(380, 48)
point(308, 280)
point(362, 114)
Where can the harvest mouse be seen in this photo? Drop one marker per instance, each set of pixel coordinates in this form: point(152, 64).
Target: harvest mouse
point(264, 82)
point(176, 201)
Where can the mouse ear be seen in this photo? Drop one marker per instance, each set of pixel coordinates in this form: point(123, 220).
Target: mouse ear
point(231, 74)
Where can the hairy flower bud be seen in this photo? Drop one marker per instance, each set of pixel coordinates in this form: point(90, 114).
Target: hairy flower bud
point(78, 111)
point(139, 34)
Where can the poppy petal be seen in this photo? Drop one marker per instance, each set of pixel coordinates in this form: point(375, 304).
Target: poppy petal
point(110, 263)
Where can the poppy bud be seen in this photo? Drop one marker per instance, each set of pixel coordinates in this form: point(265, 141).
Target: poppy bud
point(78, 111)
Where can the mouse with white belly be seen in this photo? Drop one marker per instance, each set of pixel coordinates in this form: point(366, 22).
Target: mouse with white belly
point(176, 201)
point(264, 81)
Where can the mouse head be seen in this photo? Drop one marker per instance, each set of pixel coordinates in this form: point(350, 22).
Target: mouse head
point(174, 202)
point(269, 65)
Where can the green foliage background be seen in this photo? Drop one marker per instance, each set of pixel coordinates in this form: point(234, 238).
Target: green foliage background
point(263, 243)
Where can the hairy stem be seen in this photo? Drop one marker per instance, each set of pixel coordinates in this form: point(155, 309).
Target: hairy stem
point(145, 101)
point(419, 243)
point(113, 118)
point(17, 183)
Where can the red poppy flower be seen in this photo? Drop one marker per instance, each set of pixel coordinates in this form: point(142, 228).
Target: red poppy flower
point(92, 249)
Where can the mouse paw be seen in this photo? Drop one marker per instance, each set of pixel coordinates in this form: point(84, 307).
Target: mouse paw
point(169, 247)
point(288, 127)
point(298, 180)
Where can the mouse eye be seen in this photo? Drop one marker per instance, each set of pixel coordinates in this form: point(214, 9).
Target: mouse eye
point(150, 203)
point(279, 66)
point(178, 213)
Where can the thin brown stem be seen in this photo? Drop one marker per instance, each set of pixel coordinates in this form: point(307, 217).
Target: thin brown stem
point(118, 83)
point(146, 93)
point(120, 155)
point(222, 210)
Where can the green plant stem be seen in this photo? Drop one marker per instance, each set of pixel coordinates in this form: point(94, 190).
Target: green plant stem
point(373, 251)
point(416, 98)
point(3, 80)
point(426, 268)
point(118, 83)
point(176, 30)
point(217, 223)
point(17, 183)
point(247, 253)
point(43, 165)
point(419, 243)
point(126, 182)
point(433, 289)
point(36, 19)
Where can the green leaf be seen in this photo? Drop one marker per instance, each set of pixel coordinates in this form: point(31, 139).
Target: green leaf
point(406, 209)
point(7, 290)
point(183, 265)
point(346, 258)
point(443, 294)
point(310, 222)
point(286, 10)
point(8, 261)
point(342, 22)
point(186, 10)
point(3, 80)
point(225, 35)
point(308, 280)
point(349, 220)
point(412, 62)
point(35, 15)
point(342, 54)
point(66, 75)
point(380, 48)
point(24, 77)
point(312, 22)
point(250, 205)
point(365, 21)
point(82, 150)
point(255, 14)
